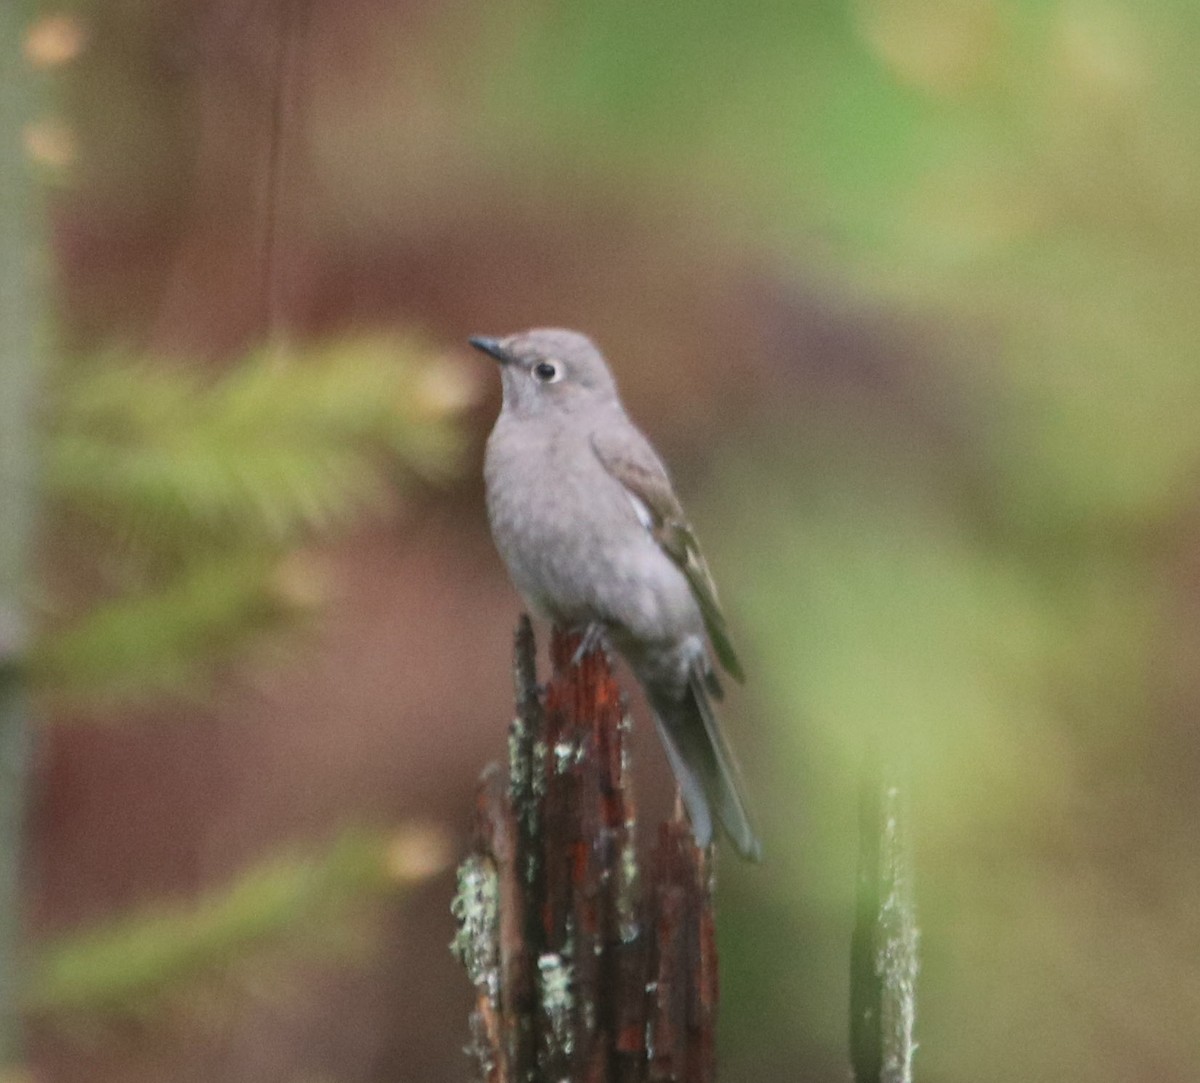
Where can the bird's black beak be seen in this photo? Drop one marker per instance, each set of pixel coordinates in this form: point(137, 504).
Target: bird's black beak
point(491, 347)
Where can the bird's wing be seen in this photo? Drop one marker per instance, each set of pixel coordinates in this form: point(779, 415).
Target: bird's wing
point(635, 465)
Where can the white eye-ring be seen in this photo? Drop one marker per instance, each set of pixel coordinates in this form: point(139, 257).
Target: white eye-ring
point(547, 372)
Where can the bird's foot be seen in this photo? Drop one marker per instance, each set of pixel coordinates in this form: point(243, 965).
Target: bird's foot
point(594, 636)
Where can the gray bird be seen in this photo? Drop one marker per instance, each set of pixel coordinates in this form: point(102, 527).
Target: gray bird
point(583, 513)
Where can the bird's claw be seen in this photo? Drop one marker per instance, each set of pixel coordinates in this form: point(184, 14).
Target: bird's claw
point(593, 637)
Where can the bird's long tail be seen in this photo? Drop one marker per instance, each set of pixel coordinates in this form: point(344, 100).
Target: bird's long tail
point(704, 767)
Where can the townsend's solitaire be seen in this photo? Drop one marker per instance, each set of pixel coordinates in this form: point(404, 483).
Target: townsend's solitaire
point(583, 513)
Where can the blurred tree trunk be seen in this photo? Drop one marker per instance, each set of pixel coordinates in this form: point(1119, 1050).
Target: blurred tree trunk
point(19, 321)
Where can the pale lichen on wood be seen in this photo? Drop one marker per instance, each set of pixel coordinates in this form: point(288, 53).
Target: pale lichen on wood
point(884, 956)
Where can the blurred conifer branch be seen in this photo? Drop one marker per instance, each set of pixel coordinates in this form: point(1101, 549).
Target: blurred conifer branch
point(195, 488)
point(269, 451)
point(301, 904)
point(155, 641)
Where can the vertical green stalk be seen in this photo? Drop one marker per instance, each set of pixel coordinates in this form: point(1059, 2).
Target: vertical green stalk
point(883, 962)
point(19, 321)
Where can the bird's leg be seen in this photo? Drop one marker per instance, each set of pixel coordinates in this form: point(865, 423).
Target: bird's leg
point(594, 635)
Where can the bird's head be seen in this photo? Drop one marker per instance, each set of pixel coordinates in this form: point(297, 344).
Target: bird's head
point(549, 370)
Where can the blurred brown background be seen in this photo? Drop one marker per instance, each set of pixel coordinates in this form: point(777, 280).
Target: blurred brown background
point(904, 292)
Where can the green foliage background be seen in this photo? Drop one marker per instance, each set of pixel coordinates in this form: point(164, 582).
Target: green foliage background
point(1016, 180)
point(988, 560)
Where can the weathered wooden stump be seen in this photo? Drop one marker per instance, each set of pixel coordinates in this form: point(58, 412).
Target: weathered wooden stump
point(585, 969)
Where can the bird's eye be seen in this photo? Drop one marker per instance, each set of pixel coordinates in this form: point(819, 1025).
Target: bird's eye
point(547, 371)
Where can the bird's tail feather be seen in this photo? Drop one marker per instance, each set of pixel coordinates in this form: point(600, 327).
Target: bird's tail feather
point(705, 768)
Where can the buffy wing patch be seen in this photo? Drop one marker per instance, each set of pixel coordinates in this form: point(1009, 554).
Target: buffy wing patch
point(646, 483)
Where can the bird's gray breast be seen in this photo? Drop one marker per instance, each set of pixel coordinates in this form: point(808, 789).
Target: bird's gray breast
point(575, 542)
